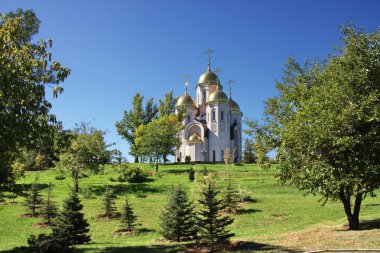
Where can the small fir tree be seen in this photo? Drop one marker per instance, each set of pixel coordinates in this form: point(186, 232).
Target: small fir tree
point(49, 209)
point(230, 198)
point(204, 171)
point(211, 224)
point(71, 227)
point(33, 201)
point(108, 202)
point(128, 218)
point(191, 174)
point(177, 220)
point(249, 151)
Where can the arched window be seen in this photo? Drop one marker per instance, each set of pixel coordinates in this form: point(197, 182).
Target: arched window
point(188, 118)
point(222, 153)
point(213, 155)
point(221, 116)
point(213, 115)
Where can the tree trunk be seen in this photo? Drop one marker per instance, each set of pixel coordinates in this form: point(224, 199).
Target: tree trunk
point(76, 183)
point(156, 164)
point(136, 159)
point(352, 218)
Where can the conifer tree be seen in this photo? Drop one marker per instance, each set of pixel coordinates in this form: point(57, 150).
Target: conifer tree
point(70, 227)
point(49, 209)
point(211, 224)
point(128, 217)
point(108, 202)
point(177, 220)
point(191, 174)
point(249, 151)
point(230, 197)
point(33, 201)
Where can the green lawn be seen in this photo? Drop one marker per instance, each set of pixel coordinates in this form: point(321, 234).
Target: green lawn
point(275, 211)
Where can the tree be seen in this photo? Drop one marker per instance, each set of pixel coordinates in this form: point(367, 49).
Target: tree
point(109, 202)
point(128, 217)
point(71, 226)
point(177, 220)
point(33, 201)
point(249, 151)
point(69, 229)
point(325, 123)
point(212, 225)
point(49, 209)
point(134, 118)
point(230, 197)
point(26, 68)
point(87, 151)
point(159, 138)
point(167, 106)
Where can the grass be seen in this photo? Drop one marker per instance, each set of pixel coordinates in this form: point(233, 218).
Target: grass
point(280, 217)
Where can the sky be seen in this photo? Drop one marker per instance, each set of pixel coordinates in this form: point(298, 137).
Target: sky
point(116, 48)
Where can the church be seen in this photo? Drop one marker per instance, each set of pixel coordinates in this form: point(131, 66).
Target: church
point(212, 122)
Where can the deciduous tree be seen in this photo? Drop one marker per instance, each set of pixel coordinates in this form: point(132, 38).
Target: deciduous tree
point(325, 123)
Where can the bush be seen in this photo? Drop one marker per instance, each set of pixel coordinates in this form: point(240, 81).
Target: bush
point(130, 174)
point(187, 159)
point(244, 195)
point(191, 174)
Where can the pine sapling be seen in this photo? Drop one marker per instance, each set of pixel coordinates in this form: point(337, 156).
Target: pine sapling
point(108, 202)
point(33, 201)
point(49, 209)
point(128, 218)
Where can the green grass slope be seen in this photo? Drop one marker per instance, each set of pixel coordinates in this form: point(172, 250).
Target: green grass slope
point(276, 211)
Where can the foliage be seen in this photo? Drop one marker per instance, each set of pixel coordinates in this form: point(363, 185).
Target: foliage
point(212, 225)
point(128, 217)
point(204, 171)
point(167, 106)
point(26, 69)
point(33, 200)
point(109, 202)
point(177, 219)
point(134, 118)
point(188, 159)
point(69, 230)
point(134, 174)
point(87, 151)
point(49, 208)
point(230, 197)
point(325, 123)
point(70, 225)
point(249, 151)
point(227, 156)
point(159, 138)
point(191, 174)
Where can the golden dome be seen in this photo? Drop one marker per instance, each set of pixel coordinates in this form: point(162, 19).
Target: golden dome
point(185, 100)
point(234, 105)
point(195, 138)
point(208, 77)
point(217, 96)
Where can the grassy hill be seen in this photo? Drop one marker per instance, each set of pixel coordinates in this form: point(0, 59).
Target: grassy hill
point(279, 218)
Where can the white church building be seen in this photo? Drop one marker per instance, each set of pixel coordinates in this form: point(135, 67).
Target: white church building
point(212, 123)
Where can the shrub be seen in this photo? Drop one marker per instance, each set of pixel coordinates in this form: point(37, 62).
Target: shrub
point(191, 174)
point(131, 174)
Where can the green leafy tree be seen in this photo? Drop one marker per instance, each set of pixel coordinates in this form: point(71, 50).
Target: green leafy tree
point(87, 151)
point(159, 138)
point(167, 106)
point(128, 217)
point(134, 118)
point(212, 225)
point(325, 123)
point(26, 69)
point(109, 202)
point(49, 208)
point(249, 151)
point(33, 200)
point(177, 220)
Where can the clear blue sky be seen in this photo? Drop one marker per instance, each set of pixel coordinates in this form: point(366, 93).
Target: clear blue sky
point(116, 48)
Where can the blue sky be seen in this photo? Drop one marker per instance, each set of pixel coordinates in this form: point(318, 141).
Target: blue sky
point(116, 48)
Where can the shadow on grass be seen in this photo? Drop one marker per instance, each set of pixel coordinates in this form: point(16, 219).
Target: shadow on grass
point(177, 171)
point(257, 247)
point(369, 225)
point(248, 211)
point(139, 189)
point(239, 247)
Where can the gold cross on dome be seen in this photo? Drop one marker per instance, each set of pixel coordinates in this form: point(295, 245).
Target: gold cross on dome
point(230, 82)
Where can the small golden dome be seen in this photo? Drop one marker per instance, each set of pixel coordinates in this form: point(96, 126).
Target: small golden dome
point(234, 105)
point(195, 138)
point(185, 100)
point(217, 96)
point(208, 77)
